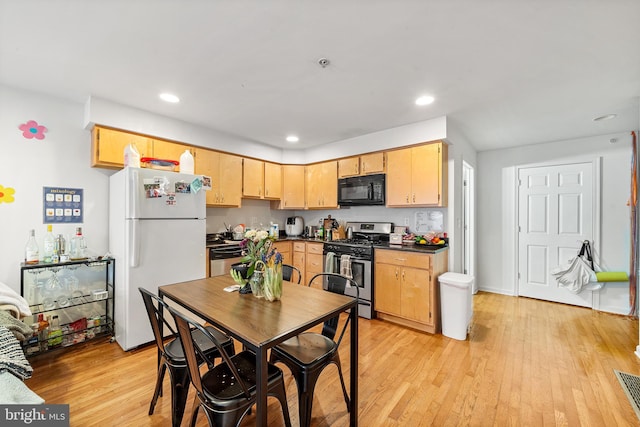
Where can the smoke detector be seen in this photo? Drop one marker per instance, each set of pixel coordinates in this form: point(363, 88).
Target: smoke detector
point(323, 62)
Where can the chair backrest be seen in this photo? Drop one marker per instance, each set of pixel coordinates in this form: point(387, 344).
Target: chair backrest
point(288, 273)
point(155, 310)
point(193, 352)
point(338, 284)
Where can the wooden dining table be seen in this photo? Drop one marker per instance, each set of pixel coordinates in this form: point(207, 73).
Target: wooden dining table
point(260, 325)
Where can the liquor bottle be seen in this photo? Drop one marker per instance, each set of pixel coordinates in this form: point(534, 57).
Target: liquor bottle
point(55, 333)
point(78, 245)
point(31, 251)
point(43, 332)
point(49, 245)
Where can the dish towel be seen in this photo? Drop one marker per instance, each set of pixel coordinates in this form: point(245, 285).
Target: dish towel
point(345, 266)
point(329, 265)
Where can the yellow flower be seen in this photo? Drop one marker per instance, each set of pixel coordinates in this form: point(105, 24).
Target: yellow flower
point(6, 194)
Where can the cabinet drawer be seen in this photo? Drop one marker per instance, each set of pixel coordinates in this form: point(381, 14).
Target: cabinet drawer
point(314, 263)
point(314, 248)
point(299, 246)
point(401, 258)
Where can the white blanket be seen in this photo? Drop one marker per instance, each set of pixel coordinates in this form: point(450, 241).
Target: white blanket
point(13, 391)
point(11, 297)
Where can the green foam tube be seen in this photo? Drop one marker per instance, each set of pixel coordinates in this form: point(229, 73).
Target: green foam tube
point(612, 276)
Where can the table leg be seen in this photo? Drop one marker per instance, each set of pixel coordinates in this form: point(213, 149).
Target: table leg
point(261, 387)
point(353, 413)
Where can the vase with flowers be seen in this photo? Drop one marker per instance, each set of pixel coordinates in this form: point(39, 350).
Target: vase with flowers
point(264, 265)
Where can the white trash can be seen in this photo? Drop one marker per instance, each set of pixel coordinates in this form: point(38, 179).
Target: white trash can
point(456, 304)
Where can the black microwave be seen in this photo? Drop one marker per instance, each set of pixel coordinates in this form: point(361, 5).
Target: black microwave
point(361, 190)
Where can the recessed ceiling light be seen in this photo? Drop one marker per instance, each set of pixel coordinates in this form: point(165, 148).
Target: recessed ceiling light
point(605, 117)
point(292, 138)
point(425, 100)
point(168, 97)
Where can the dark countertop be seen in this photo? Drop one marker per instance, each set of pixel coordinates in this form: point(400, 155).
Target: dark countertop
point(383, 246)
point(412, 248)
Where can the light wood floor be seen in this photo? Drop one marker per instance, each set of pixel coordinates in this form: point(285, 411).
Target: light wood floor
point(527, 362)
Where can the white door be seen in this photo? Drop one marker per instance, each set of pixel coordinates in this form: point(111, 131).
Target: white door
point(555, 210)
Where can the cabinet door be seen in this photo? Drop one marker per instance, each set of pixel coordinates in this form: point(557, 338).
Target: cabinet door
point(108, 146)
point(272, 181)
point(293, 178)
point(284, 247)
point(207, 162)
point(349, 167)
point(416, 294)
point(253, 178)
point(299, 261)
point(425, 174)
point(387, 288)
point(398, 177)
point(313, 186)
point(372, 163)
point(166, 150)
point(330, 184)
point(230, 180)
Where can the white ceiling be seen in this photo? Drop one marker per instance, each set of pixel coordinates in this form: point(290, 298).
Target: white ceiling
point(504, 72)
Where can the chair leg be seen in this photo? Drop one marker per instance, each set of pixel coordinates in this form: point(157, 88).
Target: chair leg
point(305, 397)
point(281, 395)
point(180, 390)
point(336, 360)
point(196, 408)
point(158, 390)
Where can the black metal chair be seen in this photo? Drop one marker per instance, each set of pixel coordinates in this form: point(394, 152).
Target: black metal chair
point(289, 272)
point(307, 354)
point(226, 391)
point(172, 357)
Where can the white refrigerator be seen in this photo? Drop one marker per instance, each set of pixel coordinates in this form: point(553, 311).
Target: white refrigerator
point(157, 234)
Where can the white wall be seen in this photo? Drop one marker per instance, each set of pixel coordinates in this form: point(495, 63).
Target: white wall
point(496, 227)
point(107, 113)
point(61, 159)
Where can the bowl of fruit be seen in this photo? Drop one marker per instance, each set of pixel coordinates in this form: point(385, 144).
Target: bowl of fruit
point(431, 240)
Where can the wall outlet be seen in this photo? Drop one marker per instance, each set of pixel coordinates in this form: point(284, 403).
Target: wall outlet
point(406, 221)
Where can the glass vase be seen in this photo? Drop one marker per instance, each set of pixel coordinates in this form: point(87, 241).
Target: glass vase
point(273, 282)
point(257, 283)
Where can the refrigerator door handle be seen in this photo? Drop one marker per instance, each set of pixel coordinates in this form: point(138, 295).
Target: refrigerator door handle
point(134, 242)
point(133, 196)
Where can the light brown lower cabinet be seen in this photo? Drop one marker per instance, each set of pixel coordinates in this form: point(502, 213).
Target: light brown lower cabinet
point(406, 287)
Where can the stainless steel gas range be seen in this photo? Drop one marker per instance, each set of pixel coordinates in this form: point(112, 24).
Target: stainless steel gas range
point(360, 254)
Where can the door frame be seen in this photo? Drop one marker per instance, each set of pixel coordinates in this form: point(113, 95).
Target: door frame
point(596, 164)
point(468, 221)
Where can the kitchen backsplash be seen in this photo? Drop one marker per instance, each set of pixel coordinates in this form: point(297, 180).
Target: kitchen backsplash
point(259, 212)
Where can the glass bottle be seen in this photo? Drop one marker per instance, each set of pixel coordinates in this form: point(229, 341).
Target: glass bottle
point(78, 245)
point(31, 251)
point(49, 245)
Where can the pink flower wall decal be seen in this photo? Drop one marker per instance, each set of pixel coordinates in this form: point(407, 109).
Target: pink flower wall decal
point(6, 194)
point(32, 129)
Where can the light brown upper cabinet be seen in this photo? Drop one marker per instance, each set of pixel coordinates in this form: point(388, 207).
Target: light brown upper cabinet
point(261, 180)
point(292, 187)
point(107, 147)
point(166, 150)
point(417, 176)
point(322, 185)
point(225, 171)
point(361, 165)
